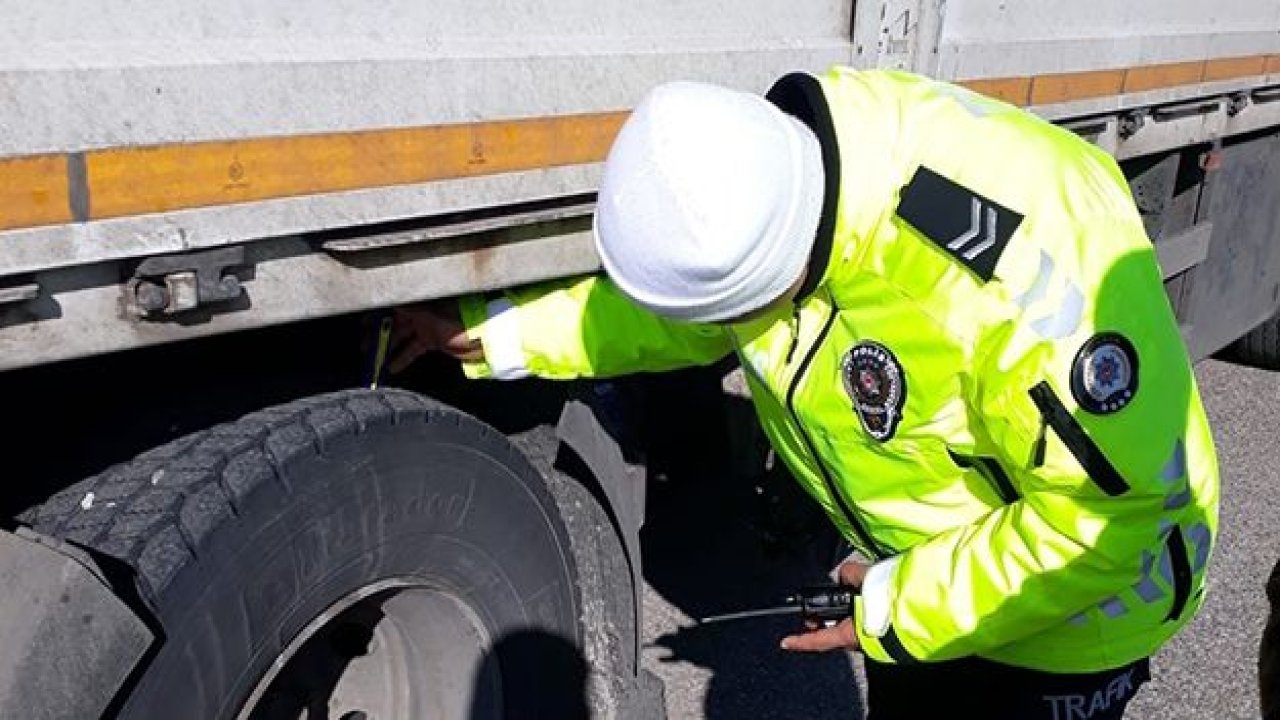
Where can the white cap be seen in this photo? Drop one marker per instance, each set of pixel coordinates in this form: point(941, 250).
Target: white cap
point(710, 202)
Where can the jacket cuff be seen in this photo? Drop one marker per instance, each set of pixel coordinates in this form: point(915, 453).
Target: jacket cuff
point(877, 596)
point(873, 619)
point(496, 325)
point(868, 643)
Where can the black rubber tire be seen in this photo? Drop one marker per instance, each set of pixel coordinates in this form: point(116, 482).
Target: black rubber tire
point(242, 534)
point(617, 688)
point(1260, 348)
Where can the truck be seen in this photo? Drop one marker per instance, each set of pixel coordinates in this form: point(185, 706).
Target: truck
point(213, 509)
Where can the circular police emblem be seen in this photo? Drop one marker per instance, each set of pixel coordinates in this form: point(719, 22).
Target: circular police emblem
point(1104, 376)
point(875, 382)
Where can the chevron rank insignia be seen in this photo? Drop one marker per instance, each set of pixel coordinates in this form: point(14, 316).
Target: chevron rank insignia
point(970, 228)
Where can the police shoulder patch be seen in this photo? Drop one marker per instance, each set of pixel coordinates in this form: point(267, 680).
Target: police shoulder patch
point(973, 230)
point(1104, 375)
point(875, 382)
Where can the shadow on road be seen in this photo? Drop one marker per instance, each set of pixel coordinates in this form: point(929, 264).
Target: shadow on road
point(544, 677)
point(717, 541)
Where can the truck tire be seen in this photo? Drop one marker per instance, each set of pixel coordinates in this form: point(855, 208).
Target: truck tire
point(1260, 348)
point(366, 554)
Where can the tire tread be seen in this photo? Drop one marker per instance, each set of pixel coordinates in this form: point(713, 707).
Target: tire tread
point(157, 511)
point(1260, 348)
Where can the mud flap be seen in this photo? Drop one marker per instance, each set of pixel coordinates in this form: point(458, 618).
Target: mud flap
point(70, 642)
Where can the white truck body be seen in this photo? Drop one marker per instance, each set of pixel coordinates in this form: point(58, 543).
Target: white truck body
point(131, 132)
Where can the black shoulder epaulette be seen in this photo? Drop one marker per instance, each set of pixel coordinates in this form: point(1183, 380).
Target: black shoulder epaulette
point(965, 225)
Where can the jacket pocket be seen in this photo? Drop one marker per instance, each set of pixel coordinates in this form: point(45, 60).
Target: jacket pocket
point(1077, 441)
point(989, 469)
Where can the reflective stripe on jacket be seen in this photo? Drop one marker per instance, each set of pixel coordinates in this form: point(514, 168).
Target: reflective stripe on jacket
point(982, 382)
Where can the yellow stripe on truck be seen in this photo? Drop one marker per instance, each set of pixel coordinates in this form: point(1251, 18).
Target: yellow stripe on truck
point(118, 182)
point(1155, 77)
point(1069, 87)
point(1232, 68)
point(1087, 85)
point(34, 191)
point(1011, 90)
point(132, 181)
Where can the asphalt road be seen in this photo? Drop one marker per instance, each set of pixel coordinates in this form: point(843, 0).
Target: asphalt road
point(714, 545)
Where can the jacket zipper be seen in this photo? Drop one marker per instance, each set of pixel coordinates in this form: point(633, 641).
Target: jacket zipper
point(868, 544)
point(1180, 563)
point(1042, 439)
point(991, 471)
point(1082, 447)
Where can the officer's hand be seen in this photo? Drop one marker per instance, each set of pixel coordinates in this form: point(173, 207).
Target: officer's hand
point(852, 573)
point(840, 636)
point(429, 327)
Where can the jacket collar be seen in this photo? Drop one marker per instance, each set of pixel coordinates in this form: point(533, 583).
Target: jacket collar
point(800, 95)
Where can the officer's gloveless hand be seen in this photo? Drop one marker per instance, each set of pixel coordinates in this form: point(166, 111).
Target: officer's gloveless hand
point(840, 636)
point(430, 327)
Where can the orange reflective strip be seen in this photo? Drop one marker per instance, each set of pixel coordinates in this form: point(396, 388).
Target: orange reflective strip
point(133, 181)
point(1066, 87)
point(117, 182)
point(1073, 86)
point(1232, 68)
point(1016, 91)
point(1154, 77)
point(34, 191)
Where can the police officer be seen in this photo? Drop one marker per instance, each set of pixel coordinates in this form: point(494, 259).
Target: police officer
point(956, 337)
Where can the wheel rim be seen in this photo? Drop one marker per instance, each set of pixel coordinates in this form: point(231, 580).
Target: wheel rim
point(394, 650)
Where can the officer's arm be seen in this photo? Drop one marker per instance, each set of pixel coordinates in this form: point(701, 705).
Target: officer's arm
point(581, 328)
point(1115, 503)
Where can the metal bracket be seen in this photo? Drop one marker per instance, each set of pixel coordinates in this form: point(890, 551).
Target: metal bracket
point(1203, 106)
point(25, 292)
point(1130, 123)
point(1182, 252)
point(1266, 95)
point(1089, 127)
point(468, 226)
point(175, 284)
point(1237, 103)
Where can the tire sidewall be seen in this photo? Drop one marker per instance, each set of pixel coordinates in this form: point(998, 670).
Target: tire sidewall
point(437, 499)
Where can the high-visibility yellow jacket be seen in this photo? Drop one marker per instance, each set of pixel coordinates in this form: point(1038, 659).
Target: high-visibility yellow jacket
point(982, 382)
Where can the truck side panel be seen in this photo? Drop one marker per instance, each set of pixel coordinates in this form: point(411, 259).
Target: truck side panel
point(134, 134)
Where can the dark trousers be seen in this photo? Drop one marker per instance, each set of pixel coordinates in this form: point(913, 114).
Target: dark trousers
point(984, 690)
point(1269, 652)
